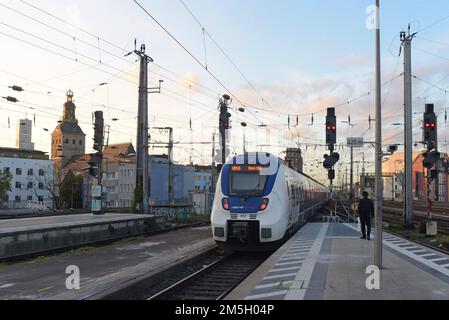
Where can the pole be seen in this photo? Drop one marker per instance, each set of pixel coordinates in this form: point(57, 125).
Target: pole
point(244, 143)
point(346, 178)
point(437, 166)
point(212, 174)
point(170, 168)
point(408, 136)
point(379, 153)
point(142, 165)
point(351, 194)
point(212, 169)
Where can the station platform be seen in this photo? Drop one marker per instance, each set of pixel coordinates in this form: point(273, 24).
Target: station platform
point(20, 237)
point(328, 261)
point(104, 268)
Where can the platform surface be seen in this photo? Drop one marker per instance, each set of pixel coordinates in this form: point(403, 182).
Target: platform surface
point(328, 261)
point(103, 267)
point(28, 224)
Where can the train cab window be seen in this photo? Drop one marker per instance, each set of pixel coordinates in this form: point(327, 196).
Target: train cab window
point(247, 183)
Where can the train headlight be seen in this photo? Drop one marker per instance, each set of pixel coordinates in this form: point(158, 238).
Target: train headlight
point(264, 204)
point(225, 203)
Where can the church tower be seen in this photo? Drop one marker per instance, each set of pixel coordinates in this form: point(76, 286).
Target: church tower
point(68, 140)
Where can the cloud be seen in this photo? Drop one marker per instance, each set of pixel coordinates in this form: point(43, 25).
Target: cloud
point(354, 60)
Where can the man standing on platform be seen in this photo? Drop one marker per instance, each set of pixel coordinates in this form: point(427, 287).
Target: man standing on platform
point(366, 212)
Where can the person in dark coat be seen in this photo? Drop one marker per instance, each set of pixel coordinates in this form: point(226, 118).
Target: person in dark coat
point(366, 212)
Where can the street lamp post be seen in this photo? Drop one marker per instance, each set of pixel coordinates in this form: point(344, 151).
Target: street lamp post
point(379, 153)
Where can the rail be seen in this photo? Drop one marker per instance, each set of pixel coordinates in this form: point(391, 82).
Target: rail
point(215, 281)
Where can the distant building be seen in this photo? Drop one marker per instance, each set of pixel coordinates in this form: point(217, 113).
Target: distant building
point(368, 184)
point(183, 180)
point(119, 177)
point(68, 140)
point(393, 172)
point(24, 133)
point(294, 159)
point(203, 179)
point(32, 178)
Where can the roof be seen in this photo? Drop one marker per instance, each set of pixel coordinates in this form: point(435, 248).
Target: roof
point(70, 128)
point(23, 154)
point(115, 151)
point(79, 163)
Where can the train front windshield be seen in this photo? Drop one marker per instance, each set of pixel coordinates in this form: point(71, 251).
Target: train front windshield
point(247, 184)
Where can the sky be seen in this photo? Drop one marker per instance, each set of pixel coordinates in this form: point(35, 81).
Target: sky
point(281, 58)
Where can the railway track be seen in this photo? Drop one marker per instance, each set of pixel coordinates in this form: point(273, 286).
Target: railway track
point(215, 281)
point(395, 214)
point(418, 242)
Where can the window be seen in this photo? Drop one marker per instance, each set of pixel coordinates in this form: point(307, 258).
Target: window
point(6, 170)
point(81, 142)
point(247, 183)
point(40, 199)
point(41, 186)
point(74, 142)
point(41, 172)
point(29, 186)
point(18, 185)
point(18, 171)
point(30, 198)
point(66, 141)
point(18, 199)
point(30, 172)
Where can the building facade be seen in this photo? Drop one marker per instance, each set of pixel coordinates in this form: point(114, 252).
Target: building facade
point(24, 134)
point(32, 178)
point(68, 140)
point(203, 179)
point(393, 177)
point(293, 158)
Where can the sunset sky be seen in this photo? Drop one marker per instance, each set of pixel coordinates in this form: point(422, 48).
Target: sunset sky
point(299, 57)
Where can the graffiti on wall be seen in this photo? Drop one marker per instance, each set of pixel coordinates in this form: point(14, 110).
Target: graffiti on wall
point(173, 213)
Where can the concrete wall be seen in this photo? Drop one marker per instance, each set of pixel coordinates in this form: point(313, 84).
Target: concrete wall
point(21, 243)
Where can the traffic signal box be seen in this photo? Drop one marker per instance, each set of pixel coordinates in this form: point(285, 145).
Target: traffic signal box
point(97, 158)
point(430, 127)
point(331, 128)
point(331, 141)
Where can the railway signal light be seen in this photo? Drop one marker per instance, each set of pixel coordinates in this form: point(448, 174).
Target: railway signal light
point(430, 159)
point(430, 127)
point(331, 160)
point(99, 131)
point(94, 164)
point(331, 127)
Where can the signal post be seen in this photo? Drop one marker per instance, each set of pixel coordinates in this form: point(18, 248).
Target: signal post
point(96, 163)
point(431, 159)
point(331, 159)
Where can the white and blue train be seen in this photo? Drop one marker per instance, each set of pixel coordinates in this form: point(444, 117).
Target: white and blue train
point(259, 201)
